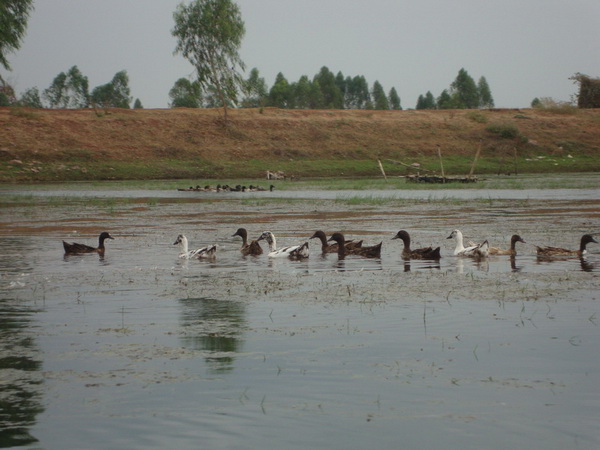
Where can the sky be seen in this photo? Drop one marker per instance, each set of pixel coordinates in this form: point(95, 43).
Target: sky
point(524, 48)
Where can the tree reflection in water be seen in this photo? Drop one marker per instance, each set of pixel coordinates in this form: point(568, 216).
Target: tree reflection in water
point(214, 327)
point(20, 399)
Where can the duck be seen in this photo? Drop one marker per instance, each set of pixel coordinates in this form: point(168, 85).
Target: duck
point(333, 248)
point(419, 253)
point(555, 251)
point(253, 248)
point(373, 251)
point(477, 250)
point(204, 252)
point(507, 251)
point(73, 248)
point(293, 251)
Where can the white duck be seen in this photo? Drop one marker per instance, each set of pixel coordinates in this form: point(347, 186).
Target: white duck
point(204, 252)
point(294, 251)
point(477, 250)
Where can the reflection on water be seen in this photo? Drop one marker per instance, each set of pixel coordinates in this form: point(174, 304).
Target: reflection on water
point(213, 326)
point(20, 369)
point(20, 359)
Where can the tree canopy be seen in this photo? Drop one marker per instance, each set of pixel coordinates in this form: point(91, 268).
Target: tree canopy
point(115, 94)
point(68, 90)
point(185, 94)
point(209, 34)
point(13, 25)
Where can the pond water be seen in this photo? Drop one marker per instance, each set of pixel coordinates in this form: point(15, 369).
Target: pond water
point(139, 348)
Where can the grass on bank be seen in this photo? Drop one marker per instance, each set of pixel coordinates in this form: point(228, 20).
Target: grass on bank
point(204, 172)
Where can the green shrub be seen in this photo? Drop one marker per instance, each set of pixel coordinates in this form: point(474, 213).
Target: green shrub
point(476, 116)
point(504, 130)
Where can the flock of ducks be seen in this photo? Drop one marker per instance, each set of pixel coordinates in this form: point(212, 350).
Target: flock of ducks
point(226, 188)
point(337, 243)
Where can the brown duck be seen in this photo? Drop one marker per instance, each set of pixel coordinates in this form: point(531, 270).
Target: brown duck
point(73, 248)
point(333, 248)
point(508, 251)
point(556, 251)
point(253, 248)
point(418, 253)
point(368, 252)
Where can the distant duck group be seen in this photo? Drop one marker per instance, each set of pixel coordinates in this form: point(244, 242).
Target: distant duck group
point(227, 188)
point(337, 243)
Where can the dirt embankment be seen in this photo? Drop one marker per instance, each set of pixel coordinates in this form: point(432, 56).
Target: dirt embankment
point(38, 144)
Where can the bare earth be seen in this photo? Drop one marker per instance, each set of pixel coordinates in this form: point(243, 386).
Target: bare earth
point(35, 139)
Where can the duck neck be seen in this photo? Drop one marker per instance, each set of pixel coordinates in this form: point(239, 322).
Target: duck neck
point(272, 243)
point(184, 245)
point(459, 243)
point(323, 240)
point(406, 244)
point(341, 250)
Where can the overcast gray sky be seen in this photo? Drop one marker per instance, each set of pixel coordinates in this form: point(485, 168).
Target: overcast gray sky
point(524, 48)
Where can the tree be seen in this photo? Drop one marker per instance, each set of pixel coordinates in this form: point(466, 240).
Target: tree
point(255, 89)
point(302, 93)
point(138, 104)
point(589, 90)
point(31, 98)
point(394, 99)
point(333, 97)
point(485, 94)
point(357, 93)
point(69, 90)
point(426, 102)
point(464, 91)
point(185, 94)
point(209, 34)
point(57, 95)
point(280, 93)
point(445, 100)
point(379, 98)
point(114, 94)
point(13, 24)
point(7, 95)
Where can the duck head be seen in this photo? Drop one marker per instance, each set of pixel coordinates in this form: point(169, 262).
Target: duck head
point(454, 234)
point(181, 239)
point(402, 234)
point(517, 238)
point(267, 236)
point(586, 239)
point(106, 235)
point(319, 234)
point(337, 237)
point(240, 232)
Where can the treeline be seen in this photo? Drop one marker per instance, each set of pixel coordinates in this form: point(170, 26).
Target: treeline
point(329, 91)
point(463, 93)
point(71, 90)
point(325, 90)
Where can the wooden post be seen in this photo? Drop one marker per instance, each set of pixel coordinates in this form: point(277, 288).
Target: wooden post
point(475, 159)
point(441, 163)
point(381, 168)
point(516, 163)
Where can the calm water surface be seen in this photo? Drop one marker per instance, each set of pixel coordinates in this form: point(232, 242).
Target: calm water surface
point(142, 349)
